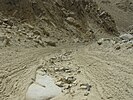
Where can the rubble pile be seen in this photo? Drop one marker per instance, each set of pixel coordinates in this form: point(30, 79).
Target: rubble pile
point(64, 73)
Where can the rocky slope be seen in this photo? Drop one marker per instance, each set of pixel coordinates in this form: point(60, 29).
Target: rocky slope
point(54, 21)
point(120, 10)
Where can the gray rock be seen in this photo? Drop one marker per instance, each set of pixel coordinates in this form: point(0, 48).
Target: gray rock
point(70, 19)
point(126, 37)
point(116, 39)
point(60, 84)
point(117, 47)
point(43, 88)
point(70, 80)
point(102, 40)
point(29, 26)
point(5, 20)
point(85, 86)
point(51, 43)
point(62, 69)
point(129, 44)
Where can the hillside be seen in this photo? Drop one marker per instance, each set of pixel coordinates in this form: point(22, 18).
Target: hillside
point(38, 21)
point(121, 11)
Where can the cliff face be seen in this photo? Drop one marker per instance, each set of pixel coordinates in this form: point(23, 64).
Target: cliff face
point(60, 18)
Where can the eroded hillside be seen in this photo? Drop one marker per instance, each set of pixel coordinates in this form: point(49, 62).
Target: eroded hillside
point(57, 20)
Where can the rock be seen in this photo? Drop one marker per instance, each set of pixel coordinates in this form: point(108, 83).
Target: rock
point(85, 86)
point(69, 80)
point(129, 44)
point(86, 94)
point(68, 71)
point(30, 34)
point(116, 39)
point(19, 31)
point(100, 41)
point(70, 19)
point(76, 40)
point(8, 22)
point(41, 71)
point(37, 32)
point(62, 69)
point(5, 20)
point(67, 86)
point(29, 26)
point(56, 69)
point(42, 89)
point(29, 37)
point(9, 27)
point(38, 40)
point(51, 43)
point(106, 41)
point(126, 37)
point(117, 47)
point(60, 84)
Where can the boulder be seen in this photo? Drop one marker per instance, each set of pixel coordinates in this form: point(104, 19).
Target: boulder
point(126, 37)
point(43, 88)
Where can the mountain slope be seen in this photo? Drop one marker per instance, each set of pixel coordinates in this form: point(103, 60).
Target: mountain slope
point(61, 19)
point(120, 10)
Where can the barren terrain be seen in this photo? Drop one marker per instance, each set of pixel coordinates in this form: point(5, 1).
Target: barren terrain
point(85, 49)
